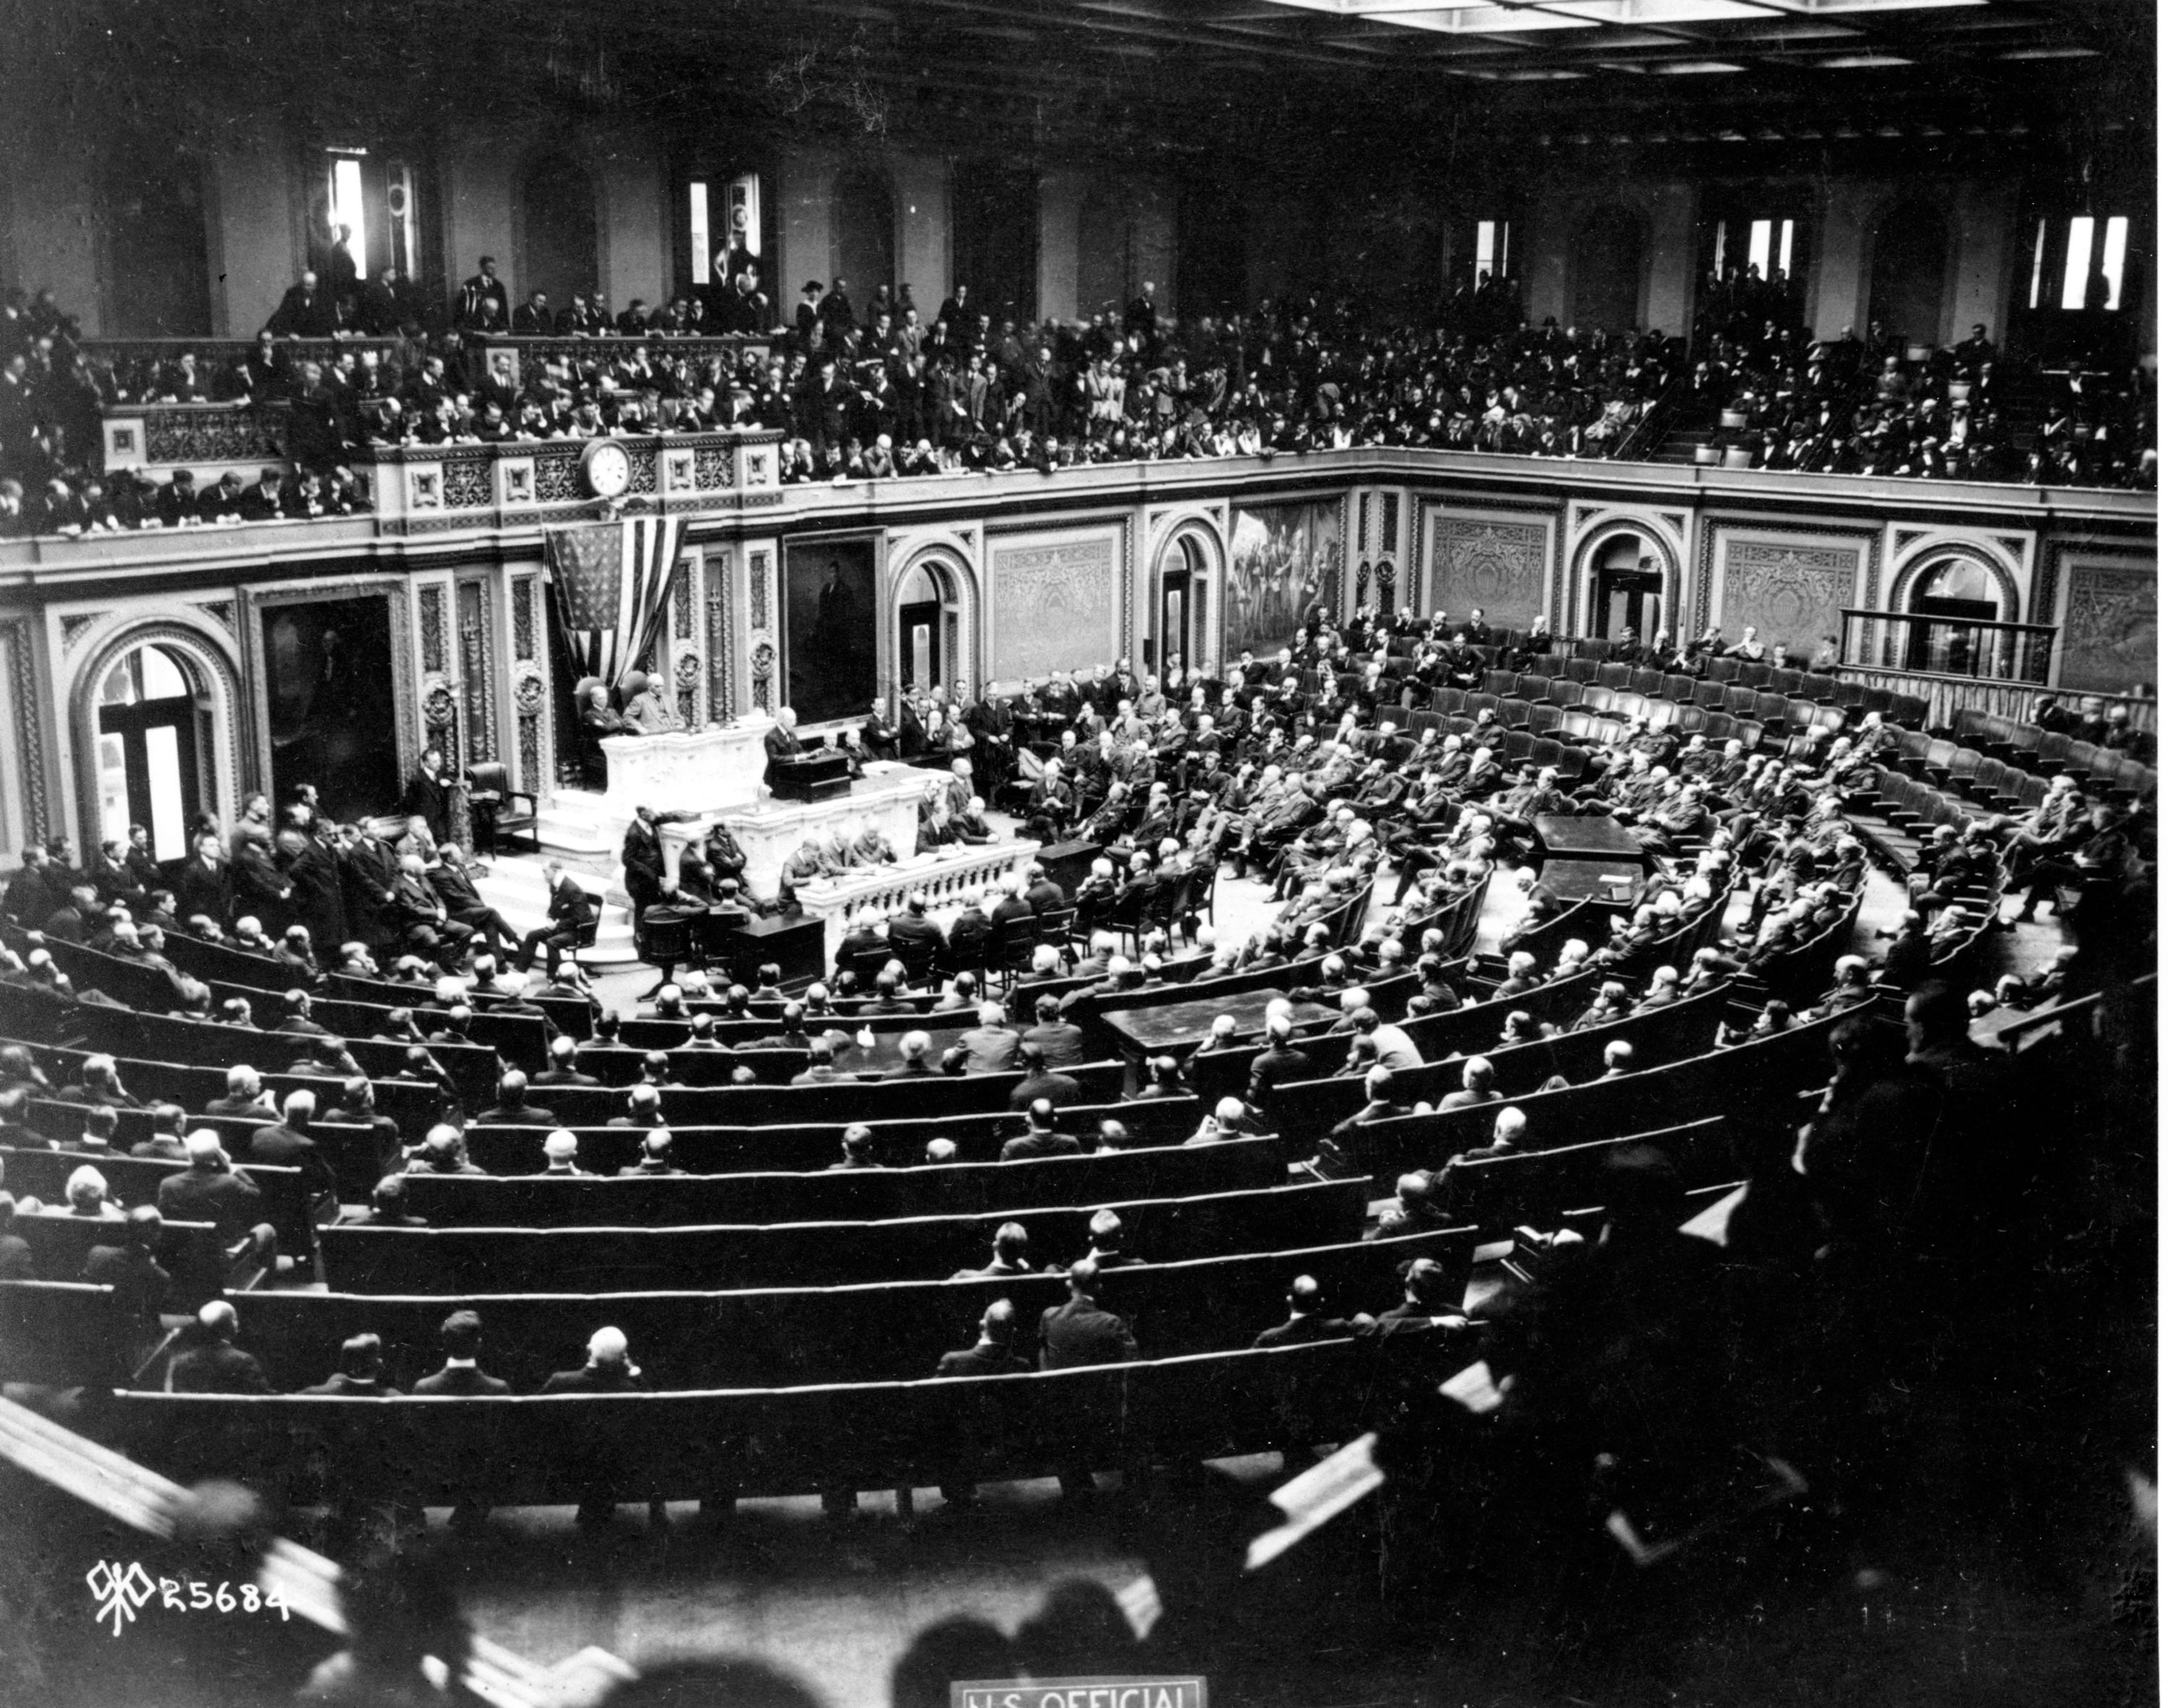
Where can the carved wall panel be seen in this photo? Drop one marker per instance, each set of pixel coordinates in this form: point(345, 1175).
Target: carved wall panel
point(2111, 621)
point(1052, 605)
point(1499, 564)
point(1791, 591)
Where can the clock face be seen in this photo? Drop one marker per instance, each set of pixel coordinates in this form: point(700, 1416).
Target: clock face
point(609, 469)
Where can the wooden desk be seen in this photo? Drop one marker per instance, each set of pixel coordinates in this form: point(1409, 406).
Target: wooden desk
point(1607, 880)
point(1177, 1028)
point(796, 942)
point(1587, 837)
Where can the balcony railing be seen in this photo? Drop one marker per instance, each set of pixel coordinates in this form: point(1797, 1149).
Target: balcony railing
point(1923, 643)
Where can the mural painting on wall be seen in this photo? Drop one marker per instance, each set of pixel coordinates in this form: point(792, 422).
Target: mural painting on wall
point(1497, 565)
point(2110, 628)
point(1283, 556)
point(1053, 607)
point(830, 613)
point(327, 684)
point(1793, 594)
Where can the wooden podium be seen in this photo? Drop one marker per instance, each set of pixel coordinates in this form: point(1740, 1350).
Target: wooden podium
point(811, 776)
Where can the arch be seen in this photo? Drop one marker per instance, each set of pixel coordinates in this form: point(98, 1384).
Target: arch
point(215, 678)
point(556, 249)
point(1197, 538)
point(1586, 559)
point(1608, 252)
point(864, 225)
point(1910, 264)
point(153, 229)
point(947, 566)
point(1920, 566)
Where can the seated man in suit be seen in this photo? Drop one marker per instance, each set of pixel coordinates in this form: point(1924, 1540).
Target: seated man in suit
point(609, 1369)
point(1306, 1319)
point(1078, 1334)
point(461, 1337)
point(1012, 1254)
point(1060, 1044)
point(360, 1374)
point(1041, 1083)
point(990, 1046)
point(571, 910)
point(211, 1191)
point(212, 1363)
point(648, 710)
point(858, 1149)
point(994, 1354)
point(654, 1157)
point(512, 1108)
point(140, 1286)
point(1039, 1139)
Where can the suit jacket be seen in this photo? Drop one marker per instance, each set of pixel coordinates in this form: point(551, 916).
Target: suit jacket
point(1028, 1146)
point(228, 1201)
point(461, 1379)
point(355, 1388)
point(1079, 1332)
point(1062, 1044)
point(281, 1147)
point(218, 1368)
point(981, 1360)
point(781, 744)
point(989, 1049)
point(1301, 1331)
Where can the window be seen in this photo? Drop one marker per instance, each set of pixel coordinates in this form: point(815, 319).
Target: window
point(1492, 253)
point(2093, 253)
point(1759, 235)
point(348, 208)
point(697, 215)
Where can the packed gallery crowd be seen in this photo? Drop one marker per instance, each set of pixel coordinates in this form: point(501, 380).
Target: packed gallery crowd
point(882, 389)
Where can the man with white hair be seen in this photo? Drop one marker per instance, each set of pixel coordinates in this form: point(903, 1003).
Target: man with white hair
point(560, 1154)
point(990, 1047)
point(1476, 1076)
point(609, 1369)
point(287, 1144)
point(1229, 1118)
point(1508, 1134)
point(1662, 992)
point(87, 1196)
point(244, 1093)
point(1854, 987)
point(1617, 1059)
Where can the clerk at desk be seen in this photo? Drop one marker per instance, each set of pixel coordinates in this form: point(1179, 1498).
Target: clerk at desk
point(781, 743)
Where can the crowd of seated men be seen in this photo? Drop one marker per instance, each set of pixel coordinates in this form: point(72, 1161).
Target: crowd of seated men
point(1846, 405)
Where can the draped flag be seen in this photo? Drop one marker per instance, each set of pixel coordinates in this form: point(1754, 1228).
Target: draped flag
point(613, 581)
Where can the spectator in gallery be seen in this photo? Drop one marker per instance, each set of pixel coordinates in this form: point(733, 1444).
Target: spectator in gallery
point(483, 304)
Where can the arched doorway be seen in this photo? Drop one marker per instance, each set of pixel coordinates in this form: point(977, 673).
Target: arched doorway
point(1911, 256)
point(1964, 592)
point(557, 250)
point(1626, 588)
point(1181, 630)
point(157, 275)
point(153, 744)
point(865, 233)
point(928, 612)
point(1606, 270)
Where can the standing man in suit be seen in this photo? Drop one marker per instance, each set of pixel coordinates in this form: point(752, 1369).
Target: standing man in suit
point(482, 305)
point(571, 912)
point(781, 743)
point(1077, 1333)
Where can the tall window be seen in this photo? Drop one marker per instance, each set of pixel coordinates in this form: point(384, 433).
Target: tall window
point(2093, 253)
point(348, 207)
point(697, 222)
point(1493, 251)
point(1762, 237)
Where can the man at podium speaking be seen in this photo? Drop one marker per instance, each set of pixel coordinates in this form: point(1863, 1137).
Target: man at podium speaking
point(781, 744)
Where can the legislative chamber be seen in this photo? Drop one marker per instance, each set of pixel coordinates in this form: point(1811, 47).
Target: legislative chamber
point(1276, 852)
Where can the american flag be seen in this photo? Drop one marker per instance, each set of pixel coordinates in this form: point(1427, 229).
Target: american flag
point(613, 581)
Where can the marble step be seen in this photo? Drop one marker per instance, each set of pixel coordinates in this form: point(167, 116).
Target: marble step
point(515, 887)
